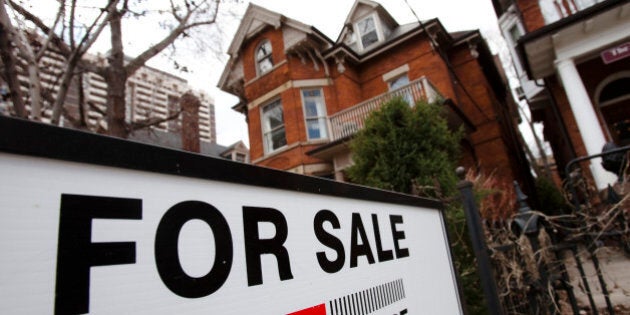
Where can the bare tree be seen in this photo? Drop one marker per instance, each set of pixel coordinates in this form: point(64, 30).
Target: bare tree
point(183, 16)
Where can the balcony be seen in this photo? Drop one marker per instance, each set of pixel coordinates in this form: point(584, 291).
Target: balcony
point(554, 10)
point(350, 120)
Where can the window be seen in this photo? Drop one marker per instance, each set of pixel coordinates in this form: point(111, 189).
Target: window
point(264, 62)
point(274, 136)
point(400, 82)
point(367, 31)
point(240, 157)
point(314, 113)
point(514, 33)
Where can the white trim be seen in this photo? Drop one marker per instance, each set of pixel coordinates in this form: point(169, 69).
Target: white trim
point(325, 114)
point(311, 83)
point(269, 95)
point(572, 47)
point(613, 77)
point(396, 72)
point(377, 28)
point(276, 152)
point(285, 86)
point(588, 124)
point(266, 150)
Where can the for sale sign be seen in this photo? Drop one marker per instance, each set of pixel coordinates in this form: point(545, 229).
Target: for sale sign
point(95, 225)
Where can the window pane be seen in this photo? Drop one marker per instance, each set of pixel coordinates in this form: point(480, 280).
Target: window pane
point(311, 93)
point(263, 51)
point(273, 116)
point(265, 65)
point(316, 128)
point(314, 113)
point(264, 62)
point(366, 25)
point(369, 39)
point(278, 138)
point(398, 82)
point(311, 108)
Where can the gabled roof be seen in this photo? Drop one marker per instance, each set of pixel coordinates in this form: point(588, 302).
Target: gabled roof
point(256, 19)
point(354, 11)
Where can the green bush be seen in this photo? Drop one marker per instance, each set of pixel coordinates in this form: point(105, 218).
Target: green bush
point(411, 150)
point(401, 146)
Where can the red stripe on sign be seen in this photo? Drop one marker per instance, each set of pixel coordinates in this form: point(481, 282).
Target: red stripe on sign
point(315, 310)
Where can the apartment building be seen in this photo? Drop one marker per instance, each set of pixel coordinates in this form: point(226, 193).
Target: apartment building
point(150, 94)
point(305, 95)
point(572, 59)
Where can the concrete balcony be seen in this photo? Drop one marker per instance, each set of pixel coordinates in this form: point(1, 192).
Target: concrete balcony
point(350, 120)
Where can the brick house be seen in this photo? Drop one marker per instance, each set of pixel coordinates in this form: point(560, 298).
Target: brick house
point(305, 95)
point(572, 60)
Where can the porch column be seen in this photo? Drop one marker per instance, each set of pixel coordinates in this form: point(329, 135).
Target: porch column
point(586, 119)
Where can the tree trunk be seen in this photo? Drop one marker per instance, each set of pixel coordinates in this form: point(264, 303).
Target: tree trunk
point(10, 62)
point(116, 79)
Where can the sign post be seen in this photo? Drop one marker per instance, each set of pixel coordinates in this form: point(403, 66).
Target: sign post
point(92, 225)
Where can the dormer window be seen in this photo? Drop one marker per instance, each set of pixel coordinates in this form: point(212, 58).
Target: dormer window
point(264, 62)
point(368, 31)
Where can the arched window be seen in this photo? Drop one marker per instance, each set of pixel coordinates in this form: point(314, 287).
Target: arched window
point(613, 97)
point(264, 62)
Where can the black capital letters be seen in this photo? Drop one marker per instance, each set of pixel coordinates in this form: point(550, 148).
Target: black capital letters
point(329, 240)
point(383, 255)
point(398, 235)
point(76, 253)
point(256, 247)
point(357, 250)
point(166, 253)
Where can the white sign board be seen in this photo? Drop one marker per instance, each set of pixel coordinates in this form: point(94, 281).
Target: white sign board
point(79, 237)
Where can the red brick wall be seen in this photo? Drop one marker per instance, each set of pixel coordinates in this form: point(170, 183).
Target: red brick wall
point(532, 16)
point(355, 85)
point(477, 100)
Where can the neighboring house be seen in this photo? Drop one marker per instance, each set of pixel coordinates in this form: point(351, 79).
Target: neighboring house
point(305, 95)
point(236, 152)
point(151, 94)
point(572, 58)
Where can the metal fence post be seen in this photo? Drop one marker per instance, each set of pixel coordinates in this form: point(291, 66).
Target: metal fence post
point(478, 241)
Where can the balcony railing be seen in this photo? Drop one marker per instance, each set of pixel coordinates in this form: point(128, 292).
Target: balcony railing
point(350, 120)
point(554, 10)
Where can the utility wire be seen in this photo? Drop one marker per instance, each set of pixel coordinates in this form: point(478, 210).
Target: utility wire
point(436, 47)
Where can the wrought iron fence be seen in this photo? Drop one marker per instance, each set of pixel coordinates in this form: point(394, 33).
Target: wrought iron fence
point(562, 264)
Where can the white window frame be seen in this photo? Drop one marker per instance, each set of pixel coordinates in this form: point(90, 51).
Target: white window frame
point(405, 95)
point(267, 130)
point(268, 56)
point(511, 43)
point(321, 110)
point(377, 29)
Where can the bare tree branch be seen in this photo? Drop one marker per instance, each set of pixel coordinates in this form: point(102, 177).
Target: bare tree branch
point(153, 121)
point(60, 13)
point(10, 62)
point(141, 59)
point(86, 42)
point(56, 40)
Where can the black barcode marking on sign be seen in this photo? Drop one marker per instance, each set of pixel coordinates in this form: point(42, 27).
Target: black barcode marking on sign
point(369, 300)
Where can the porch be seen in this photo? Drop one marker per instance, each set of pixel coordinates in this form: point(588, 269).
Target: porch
point(344, 124)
